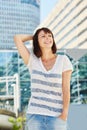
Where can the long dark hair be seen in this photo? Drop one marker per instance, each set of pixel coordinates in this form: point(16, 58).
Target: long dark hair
point(36, 48)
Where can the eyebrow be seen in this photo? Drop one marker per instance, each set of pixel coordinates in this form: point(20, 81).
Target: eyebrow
point(45, 33)
point(41, 34)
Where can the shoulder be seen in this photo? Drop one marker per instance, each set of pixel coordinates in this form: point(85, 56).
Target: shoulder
point(67, 64)
point(62, 57)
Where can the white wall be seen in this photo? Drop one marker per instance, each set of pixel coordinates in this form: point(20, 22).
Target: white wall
point(77, 118)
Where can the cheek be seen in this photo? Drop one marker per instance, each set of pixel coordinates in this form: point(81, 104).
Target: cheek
point(40, 41)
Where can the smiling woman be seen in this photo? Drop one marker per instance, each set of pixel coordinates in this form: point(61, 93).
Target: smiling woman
point(50, 81)
point(43, 39)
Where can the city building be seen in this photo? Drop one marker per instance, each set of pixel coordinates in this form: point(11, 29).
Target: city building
point(16, 16)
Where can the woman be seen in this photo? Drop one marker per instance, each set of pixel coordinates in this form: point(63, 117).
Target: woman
point(50, 81)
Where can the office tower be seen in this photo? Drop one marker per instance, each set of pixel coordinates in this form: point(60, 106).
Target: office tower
point(17, 16)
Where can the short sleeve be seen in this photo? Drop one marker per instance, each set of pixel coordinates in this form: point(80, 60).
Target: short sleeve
point(67, 65)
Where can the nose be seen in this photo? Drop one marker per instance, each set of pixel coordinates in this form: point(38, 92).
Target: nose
point(47, 36)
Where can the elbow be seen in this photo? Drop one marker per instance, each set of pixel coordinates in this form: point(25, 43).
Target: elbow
point(15, 38)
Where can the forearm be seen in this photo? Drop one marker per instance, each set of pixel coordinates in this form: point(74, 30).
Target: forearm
point(23, 37)
point(66, 101)
point(22, 49)
point(66, 93)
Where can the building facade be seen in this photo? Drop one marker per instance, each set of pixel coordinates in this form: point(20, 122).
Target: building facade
point(16, 16)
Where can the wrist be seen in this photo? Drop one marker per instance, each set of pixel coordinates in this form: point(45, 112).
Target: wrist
point(63, 116)
point(65, 112)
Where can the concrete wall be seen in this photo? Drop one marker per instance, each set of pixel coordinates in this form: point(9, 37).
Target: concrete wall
point(4, 123)
point(77, 118)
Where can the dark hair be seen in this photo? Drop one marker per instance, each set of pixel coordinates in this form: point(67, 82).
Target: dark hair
point(36, 48)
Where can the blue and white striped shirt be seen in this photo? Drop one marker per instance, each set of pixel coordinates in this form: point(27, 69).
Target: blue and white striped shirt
point(46, 86)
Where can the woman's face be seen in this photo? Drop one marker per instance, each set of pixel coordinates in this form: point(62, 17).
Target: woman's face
point(45, 39)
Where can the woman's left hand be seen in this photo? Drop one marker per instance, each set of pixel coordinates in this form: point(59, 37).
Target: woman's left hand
point(63, 116)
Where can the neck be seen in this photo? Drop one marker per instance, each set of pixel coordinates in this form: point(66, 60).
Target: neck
point(47, 54)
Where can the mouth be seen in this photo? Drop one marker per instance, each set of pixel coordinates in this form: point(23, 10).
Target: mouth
point(49, 42)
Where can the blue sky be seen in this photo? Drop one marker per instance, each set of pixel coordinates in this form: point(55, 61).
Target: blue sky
point(46, 8)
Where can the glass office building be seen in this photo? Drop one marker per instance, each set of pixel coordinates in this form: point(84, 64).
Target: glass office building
point(11, 64)
point(16, 16)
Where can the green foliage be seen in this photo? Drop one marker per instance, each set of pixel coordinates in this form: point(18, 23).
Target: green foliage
point(17, 123)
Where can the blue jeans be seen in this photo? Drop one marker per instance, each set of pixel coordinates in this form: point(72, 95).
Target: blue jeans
point(40, 122)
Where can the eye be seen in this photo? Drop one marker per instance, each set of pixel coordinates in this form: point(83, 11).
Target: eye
point(50, 35)
point(43, 36)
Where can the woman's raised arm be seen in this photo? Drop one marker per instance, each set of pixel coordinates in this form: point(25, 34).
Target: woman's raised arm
point(19, 40)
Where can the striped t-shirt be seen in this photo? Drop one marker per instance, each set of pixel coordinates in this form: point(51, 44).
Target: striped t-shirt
point(46, 86)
